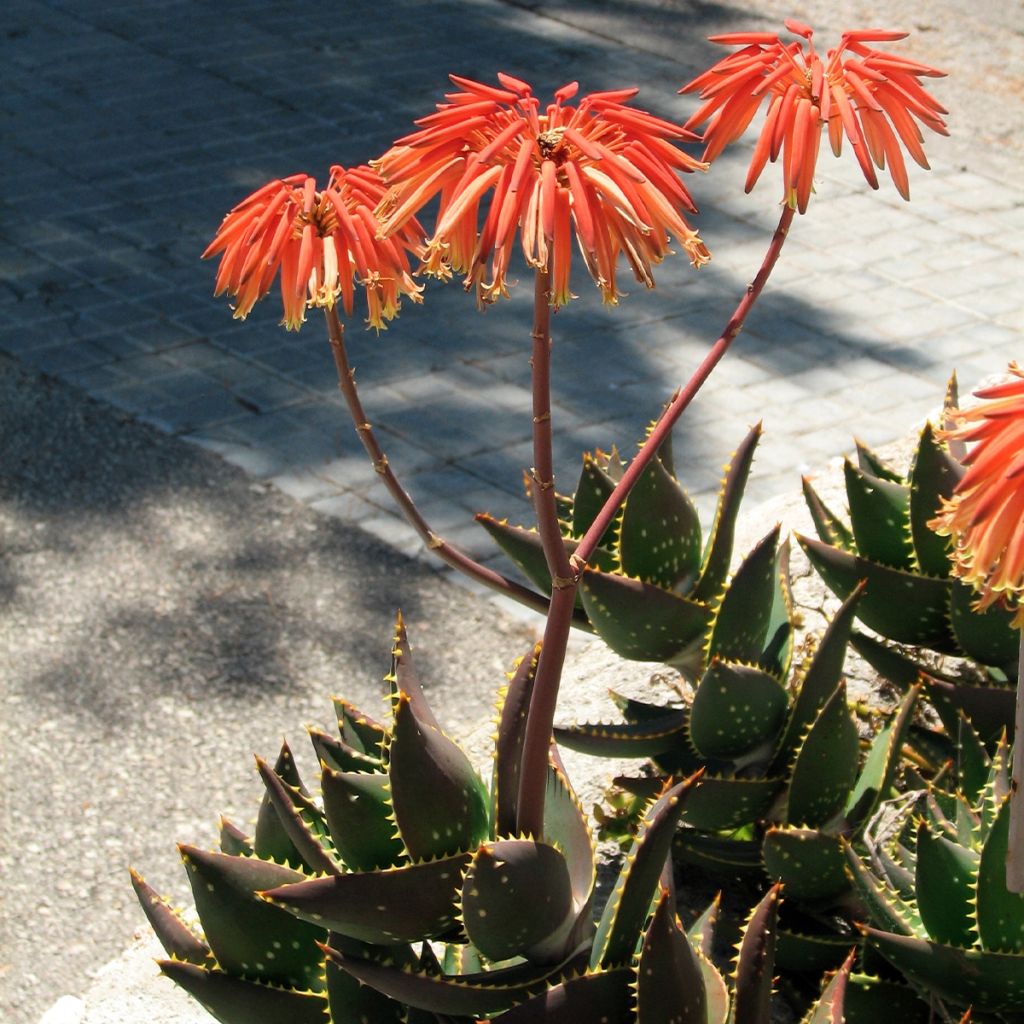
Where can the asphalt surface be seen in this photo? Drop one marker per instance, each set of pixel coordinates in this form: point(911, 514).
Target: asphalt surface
point(164, 613)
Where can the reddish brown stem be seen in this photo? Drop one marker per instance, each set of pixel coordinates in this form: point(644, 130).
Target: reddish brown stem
point(446, 552)
point(539, 723)
point(1015, 848)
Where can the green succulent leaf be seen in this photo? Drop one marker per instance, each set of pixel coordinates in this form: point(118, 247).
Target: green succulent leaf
point(621, 924)
point(945, 880)
point(825, 767)
point(178, 940)
point(933, 476)
point(234, 841)
point(902, 606)
point(830, 528)
point(597, 995)
point(1000, 912)
point(593, 490)
point(396, 905)
point(471, 995)
point(988, 981)
point(880, 765)
point(720, 803)
point(271, 839)
point(627, 739)
point(820, 679)
point(669, 980)
point(566, 827)
point(238, 1001)
point(987, 636)
point(643, 622)
point(829, 1007)
point(871, 462)
point(247, 936)
point(809, 863)
point(440, 804)
point(718, 553)
point(360, 731)
point(869, 1000)
point(989, 706)
point(508, 747)
point(517, 900)
point(736, 709)
point(884, 908)
point(810, 952)
point(742, 618)
point(339, 756)
point(898, 669)
point(350, 1000)
point(755, 962)
point(358, 811)
point(880, 516)
point(302, 821)
point(659, 536)
point(718, 854)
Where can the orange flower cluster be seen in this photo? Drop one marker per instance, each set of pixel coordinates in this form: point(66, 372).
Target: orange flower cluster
point(985, 516)
point(872, 97)
point(601, 170)
point(323, 242)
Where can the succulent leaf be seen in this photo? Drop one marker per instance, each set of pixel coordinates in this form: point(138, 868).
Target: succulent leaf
point(239, 1001)
point(594, 488)
point(403, 904)
point(648, 738)
point(718, 803)
point(622, 922)
point(597, 995)
point(271, 840)
point(883, 906)
point(439, 801)
point(517, 900)
point(565, 826)
point(741, 620)
point(508, 747)
point(870, 999)
point(350, 1000)
point(987, 636)
point(178, 940)
point(358, 730)
point(829, 1007)
point(755, 961)
point(945, 882)
point(234, 841)
point(659, 536)
point(736, 708)
point(826, 764)
point(880, 514)
point(933, 476)
point(1000, 912)
point(669, 980)
point(643, 622)
point(339, 756)
point(718, 553)
point(809, 863)
point(241, 929)
point(829, 527)
point(357, 807)
point(904, 606)
point(869, 461)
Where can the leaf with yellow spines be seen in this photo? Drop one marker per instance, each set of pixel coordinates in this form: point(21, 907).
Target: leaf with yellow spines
point(601, 995)
point(951, 401)
point(777, 652)
point(669, 981)
point(810, 950)
point(180, 942)
point(472, 995)
point(516, 900)
point(870, 999)
point(701, 932)
point(233, 840)
point(357, 807)
point(621, 924)
point(359, 730)
point(825, 767)
point(755, 961)
point(1000, 913)
point(933, 476)
point(593, 490)
point(829, 1007)
point(718, 551)
point(241, 929)
point(659, 533)
point(440, 804)
point(235, 1000)
point(884, 907)
point(393, 905)
point(987, 636)
point(810, 863)
point(339, 756)
point(718, 854)
point(351, 1000)
point(566, 828)
point(302, 821)
point(946, 880)
point(880, 517)
point(743, 613)
point(508, 743)
point(648, 738)
point(405, 683)
point(719, 803)
point(830, 528)
point(270, 838)
point(869, 461)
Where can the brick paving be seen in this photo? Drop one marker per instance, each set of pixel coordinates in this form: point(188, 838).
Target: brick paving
point(132, 127)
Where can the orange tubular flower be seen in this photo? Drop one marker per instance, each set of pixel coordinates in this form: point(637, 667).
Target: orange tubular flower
point(871, 97)
point(601, 170)
point(322, 242)
point(985, 516)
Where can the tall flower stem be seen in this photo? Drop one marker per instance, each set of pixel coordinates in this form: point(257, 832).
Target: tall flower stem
point(1015, 845)
point(533, 770)
point(446, 552)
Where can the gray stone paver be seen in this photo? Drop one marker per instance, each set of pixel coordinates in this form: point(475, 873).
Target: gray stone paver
point(133, 127)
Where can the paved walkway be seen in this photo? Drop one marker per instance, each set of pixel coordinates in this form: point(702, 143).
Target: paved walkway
point(132, 127)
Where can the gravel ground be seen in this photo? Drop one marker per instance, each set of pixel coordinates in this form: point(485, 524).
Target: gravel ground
point(143, 580)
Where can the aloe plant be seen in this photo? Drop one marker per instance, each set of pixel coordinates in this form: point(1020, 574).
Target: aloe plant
point(934, 888)
point(652, 587)
point(911, 599)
